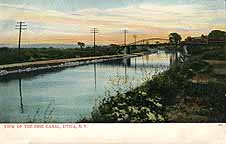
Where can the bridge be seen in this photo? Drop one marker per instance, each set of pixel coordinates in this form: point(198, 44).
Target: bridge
point(147, 43)
point(150, 41)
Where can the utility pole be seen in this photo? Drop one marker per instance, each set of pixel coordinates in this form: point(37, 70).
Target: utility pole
point(20, 26)
point(225, 17)
point(125, 39)
point(135, 39)
point(94, 31)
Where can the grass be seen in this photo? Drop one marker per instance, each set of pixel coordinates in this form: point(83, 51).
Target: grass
point(171, 96)
point(10, 55)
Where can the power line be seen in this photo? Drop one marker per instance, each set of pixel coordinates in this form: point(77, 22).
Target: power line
point(94, 31)
point(125, 37)
point(135, 39)
point(20, 26)
point(225, 13)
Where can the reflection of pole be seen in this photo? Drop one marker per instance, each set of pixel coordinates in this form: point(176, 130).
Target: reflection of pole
point(143, 61)
point(147, 59)
point(128, 62)
point(21, 96)
point(135, 64)
point(171, 60)
point(125, 65)
point(95, 76)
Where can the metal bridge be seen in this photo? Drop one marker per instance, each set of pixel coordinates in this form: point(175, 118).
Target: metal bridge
point(150, 41)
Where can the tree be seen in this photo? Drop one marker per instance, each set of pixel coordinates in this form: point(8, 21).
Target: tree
point(81, 44)
point(157, 42)
point(175, 38)
point(188, 39)
point(217, 37)
point(114, 45)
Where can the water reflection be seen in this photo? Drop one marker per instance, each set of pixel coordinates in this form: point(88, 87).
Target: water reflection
point(30, 75)
point(135, 63)
point(143, 61)
point(21, 96)
point(95, 76)
point(71, 91)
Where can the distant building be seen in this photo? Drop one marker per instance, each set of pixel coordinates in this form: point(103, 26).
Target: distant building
point(197, 40)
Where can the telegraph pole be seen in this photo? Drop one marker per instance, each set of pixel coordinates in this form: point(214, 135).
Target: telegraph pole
point(20, 26)
point(135, 39)
point(125, 37)
point(94, 31)
point(225, 12)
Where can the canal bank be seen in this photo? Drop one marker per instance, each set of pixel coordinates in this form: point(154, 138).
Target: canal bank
point(70, 94)
point(175, 95)
point(11, 69)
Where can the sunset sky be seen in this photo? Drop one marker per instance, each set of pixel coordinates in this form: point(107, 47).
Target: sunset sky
point(70, 21)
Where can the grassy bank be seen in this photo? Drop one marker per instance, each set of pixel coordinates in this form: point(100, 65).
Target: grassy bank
point(10, 55)
point(187, 92)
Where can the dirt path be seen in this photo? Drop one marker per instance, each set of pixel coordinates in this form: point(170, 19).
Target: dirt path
point(59, 61)
point(218, 67)
point(215, 62)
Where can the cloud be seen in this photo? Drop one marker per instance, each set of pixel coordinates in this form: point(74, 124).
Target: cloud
point(140, 18)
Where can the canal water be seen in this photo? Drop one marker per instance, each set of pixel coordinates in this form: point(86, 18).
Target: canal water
point(69, 95)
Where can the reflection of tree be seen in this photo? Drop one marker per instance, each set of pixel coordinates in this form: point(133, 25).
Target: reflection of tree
point(45, 116)
point(173, 58)
point(147, 58)
point(95, 76)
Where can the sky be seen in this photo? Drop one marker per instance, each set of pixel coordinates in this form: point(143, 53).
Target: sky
point(70, 21)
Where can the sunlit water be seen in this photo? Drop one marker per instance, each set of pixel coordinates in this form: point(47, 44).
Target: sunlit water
point(70, 94)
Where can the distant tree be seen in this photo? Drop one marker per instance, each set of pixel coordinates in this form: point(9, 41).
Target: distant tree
point(114, 45)
point(4, 48)
point(204, 36)
point(81, 44)
point(157, 42)
point(217, 36)
point(175, 38)
point(189, 38)
point(115, 48)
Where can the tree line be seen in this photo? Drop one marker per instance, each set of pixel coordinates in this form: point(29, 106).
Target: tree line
point(215, 37)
